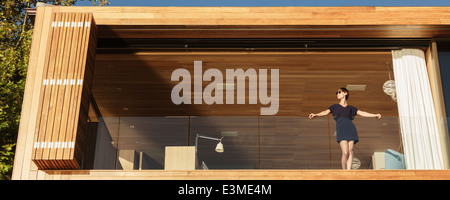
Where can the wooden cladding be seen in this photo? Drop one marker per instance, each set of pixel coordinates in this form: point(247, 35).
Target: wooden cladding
point(65, 91)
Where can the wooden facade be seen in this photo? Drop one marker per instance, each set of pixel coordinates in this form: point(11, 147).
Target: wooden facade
point(65, 92)
point(61, 67)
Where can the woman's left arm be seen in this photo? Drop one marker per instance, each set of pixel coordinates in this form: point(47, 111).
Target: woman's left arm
point(366, 114)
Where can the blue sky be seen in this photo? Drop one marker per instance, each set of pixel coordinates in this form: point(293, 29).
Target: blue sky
point(273, 3)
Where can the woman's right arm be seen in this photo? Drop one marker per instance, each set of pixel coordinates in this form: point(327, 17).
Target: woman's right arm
point(321, 114)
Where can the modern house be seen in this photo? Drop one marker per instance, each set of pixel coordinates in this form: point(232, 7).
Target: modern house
point(225, 92)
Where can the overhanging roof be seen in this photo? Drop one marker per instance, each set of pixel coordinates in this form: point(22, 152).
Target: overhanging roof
point(267, 22)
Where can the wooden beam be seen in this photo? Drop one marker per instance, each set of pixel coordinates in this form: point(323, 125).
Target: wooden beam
point(22, 161)
point(266, 15)
point(264, 22)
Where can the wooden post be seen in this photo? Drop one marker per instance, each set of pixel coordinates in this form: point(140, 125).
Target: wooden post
point(439, 104)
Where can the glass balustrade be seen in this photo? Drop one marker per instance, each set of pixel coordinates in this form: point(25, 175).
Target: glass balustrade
point(259, 142)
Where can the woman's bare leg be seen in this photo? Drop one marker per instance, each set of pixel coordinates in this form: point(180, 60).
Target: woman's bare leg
point(345, 153)
point(350, 154)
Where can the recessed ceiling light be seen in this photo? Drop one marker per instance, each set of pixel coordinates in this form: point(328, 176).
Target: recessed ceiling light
point(229, 133)
point(360, 87)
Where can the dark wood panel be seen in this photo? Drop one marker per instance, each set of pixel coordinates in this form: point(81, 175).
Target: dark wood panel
point(141, 82)
point(317, 31)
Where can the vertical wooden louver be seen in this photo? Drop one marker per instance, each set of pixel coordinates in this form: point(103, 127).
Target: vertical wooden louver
point(65, 92)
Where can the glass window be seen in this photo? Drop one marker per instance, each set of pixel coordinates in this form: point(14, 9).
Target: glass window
point(138, 119)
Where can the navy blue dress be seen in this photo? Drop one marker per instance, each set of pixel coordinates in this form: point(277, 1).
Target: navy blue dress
point(345, 129)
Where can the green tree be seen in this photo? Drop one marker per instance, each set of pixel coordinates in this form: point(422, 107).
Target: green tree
point(16, 32)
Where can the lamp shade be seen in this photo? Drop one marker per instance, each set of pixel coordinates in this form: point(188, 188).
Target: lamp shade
point(219, 147)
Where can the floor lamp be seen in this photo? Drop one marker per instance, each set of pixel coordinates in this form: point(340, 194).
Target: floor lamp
point(219, 146)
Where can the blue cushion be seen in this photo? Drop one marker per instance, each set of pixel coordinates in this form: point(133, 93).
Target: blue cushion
point(394, 160)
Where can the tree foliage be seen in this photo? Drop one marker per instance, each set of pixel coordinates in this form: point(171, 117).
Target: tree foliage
point(16, 32)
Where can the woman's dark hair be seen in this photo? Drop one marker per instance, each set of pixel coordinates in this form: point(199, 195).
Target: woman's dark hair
point(346, 91)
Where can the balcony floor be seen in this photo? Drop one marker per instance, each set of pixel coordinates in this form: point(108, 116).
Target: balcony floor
point(244, 175)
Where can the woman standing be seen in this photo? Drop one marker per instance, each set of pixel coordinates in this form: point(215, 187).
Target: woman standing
point(345, 129)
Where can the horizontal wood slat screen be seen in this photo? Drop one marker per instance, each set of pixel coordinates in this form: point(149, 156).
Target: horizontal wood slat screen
point(65, 94)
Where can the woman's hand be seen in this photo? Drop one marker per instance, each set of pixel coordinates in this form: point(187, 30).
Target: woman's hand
point(321, 114)
point(366, 114)
point(378, 116)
